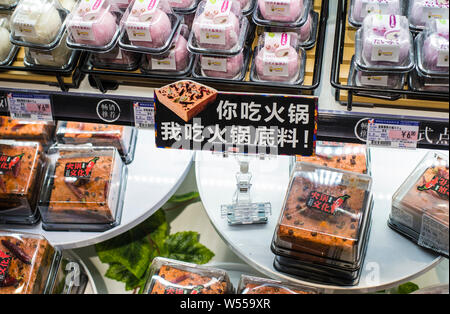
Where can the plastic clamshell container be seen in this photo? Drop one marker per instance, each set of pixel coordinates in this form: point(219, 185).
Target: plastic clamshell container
point(116, 59)
point(420, 12)
point(256, 285)
point(168, 276)
point(16, 129)
point(222, 33)
point(359, 9)
point(420, 206)
point(83, 189)
point(120, 4)
point(344, 156)
point(431, 49)
point(223, 68)
point(177, 61)
point(21, 165)
point(123, 138)
point(7, 50)
point(325, 212)
point(282, 13)
point(31, 261)
point(421, 82)
point(38, 24)
point(93, 26)
point(8, 4)
point(384, 43)
point(149, 26)
point(278, 58)
point(71, 277)
point(183, 6)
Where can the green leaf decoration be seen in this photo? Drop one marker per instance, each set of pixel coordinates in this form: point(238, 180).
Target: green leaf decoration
point(184, 197)
point(184, 246)
point(407, 288)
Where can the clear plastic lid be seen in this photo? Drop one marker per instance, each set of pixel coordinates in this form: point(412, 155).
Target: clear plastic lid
point(17, 129)
point(20, 178)
point(149, 26)
point(344, 156)
point(255, 285)
point(8, 4)
point(58, 57)
point(116, 59)
point(218, 28)
point(420, 12)
point(68, 4)
point(279, 58)
point(222, 67)
point(6, 47)
point(284, 13)
point(359, 9)
point(324, 212)
point(28, 263)
point(384, 43)
point(183, 6)
point(83, 185)
point(94, 26)
point(376, 79)
point(168, 276)
point(38, 23)
point(120, 4)
point(431, 46)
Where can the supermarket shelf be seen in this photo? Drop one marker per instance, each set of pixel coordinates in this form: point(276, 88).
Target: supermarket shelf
point(153, 177)
point(391, 259)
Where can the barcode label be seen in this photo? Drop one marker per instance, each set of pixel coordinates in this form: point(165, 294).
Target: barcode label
point(392, 133)
point(144, 114)
point(30, 106)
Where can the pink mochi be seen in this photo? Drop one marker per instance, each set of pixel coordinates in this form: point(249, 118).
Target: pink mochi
point(305, 31)
point(430, 51)
point(181, 54)
point(417, 13)
point(188, 19)
point(295, 10)
point(394, 7)
point(232, 29)
point(181, 4)
point(234, 67)
point(293, 66)
point(103, 28)
point(160, 29)
point(116, 56)
point(244, 4)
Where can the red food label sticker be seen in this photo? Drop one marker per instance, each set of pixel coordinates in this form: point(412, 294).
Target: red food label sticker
point(180, 290)
point(9, 163)
point(324, 202)
point(80, 169)
point(5, 261)
point(438, 184)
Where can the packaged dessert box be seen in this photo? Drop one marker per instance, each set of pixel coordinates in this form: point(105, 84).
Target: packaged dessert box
point(325, 213)
point(83, 188)
point(359, 9)
point(286, 13)
point(219, 28)
point(420, 12)
point(94, 26)
point(183, 6)
point(419, 81)
point(420, 205)
point(28, 264)
point(38, 24)
point(7, 50)
point(168, 276)
point(384, 43)
point(121, 137)
point(61, 57)
point(345, 156)
point(255, 285)
point(278, 58)
point(21, 165)
point(149, 26)
point(116, 59)
point(26, 130)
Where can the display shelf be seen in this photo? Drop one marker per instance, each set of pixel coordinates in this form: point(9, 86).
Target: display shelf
point(341, 73)
point(153, 177)
point(391, 259)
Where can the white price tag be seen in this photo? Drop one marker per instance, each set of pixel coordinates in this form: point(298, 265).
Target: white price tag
point(144, 114)
point(29, 106)
point(392, 133)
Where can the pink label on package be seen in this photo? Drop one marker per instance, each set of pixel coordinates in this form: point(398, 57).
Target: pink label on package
point(278, 7)
point(214, 64)
point(376, 6)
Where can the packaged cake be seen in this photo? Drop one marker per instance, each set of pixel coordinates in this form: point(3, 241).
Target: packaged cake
point(59, 57)
point(359, 9)
point(17, 129)
point(218, 28)
point(384, 43)
point(419, 81)
point(325, 213)
point(255, 285)
point(285, 13)
point(123, 138)
point(117, 59)
point(378, 79)
point(168, 276)
point(226, 67)
point(38, 23)
point(6, 48)
point(20, 179)
point(149, 26)
point(83, 188)
point(93, 25)
point(279, 58)
point(344, 156)
point(28, 263)
point(420, 205)
point(420, 12)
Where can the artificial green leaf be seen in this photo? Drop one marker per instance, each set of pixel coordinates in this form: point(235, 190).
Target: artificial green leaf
point(120, 273)
point(184, 197)
point(184, 246)
point(407, 288)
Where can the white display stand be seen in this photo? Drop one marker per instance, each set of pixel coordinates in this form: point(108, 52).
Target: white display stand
point(391, 259)
point(153, 177)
